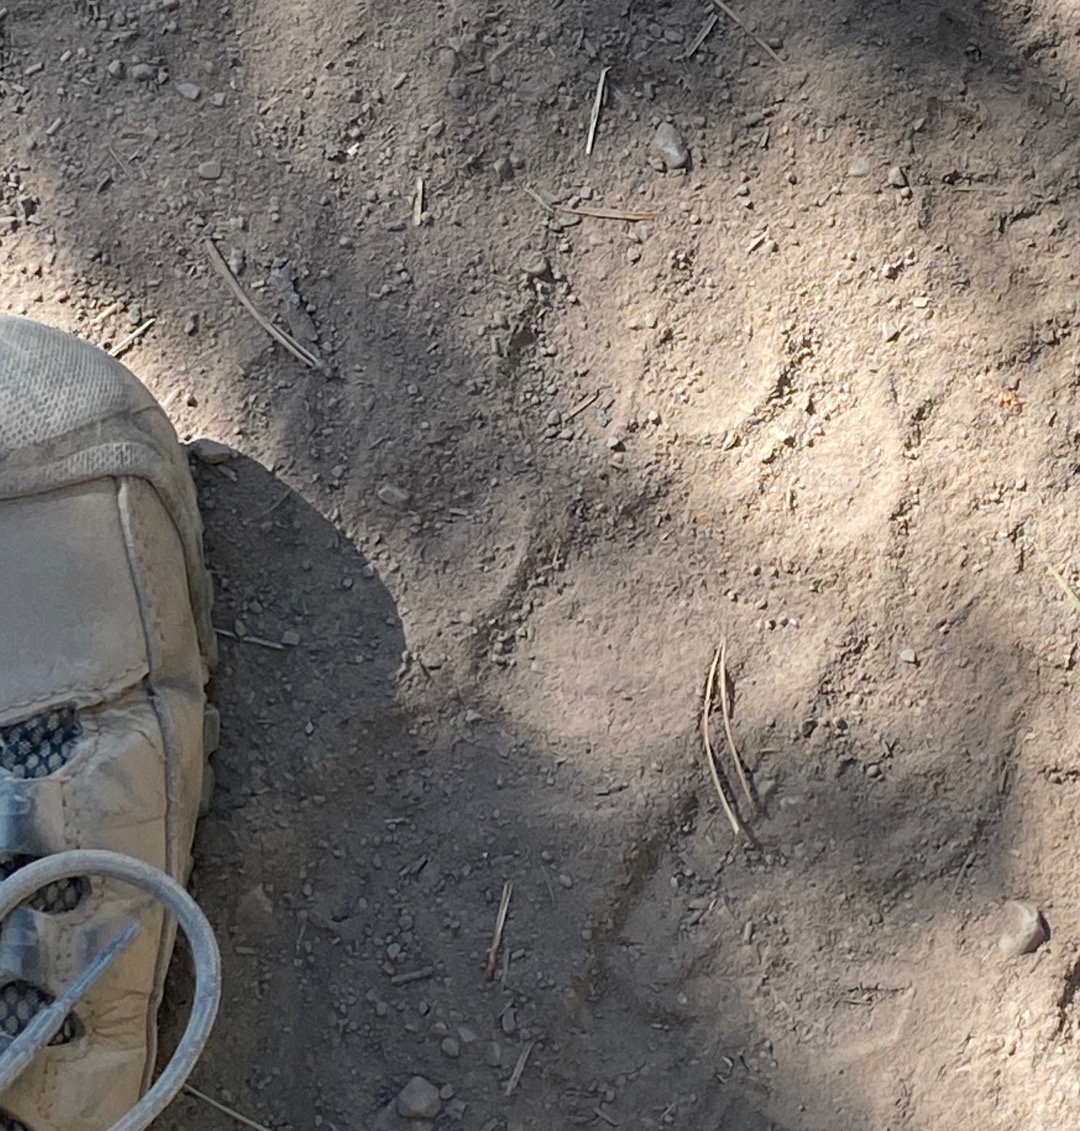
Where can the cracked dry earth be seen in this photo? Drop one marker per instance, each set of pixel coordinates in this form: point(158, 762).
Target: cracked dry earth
point(823, 404)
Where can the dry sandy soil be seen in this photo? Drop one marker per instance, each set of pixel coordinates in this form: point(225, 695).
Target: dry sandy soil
point(824, 406)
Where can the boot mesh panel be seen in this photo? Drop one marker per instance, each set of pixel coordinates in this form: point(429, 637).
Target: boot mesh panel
point(19, 1001)
point(35, 748)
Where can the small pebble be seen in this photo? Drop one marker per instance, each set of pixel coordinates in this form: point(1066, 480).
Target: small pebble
point(209, 170)
point(450, 1047)
point(907, 656)
point(1025, 929)
point(897, 178)
point(859, 168)
point(670, 146)
point(142, 72)
point(188, 90)
point(565, 880)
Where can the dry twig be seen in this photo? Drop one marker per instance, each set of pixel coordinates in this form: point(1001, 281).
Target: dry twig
point(710, 757)
point(260, 640)
point(753, 35)
point(242, 1119)
point(582, 405)
point(418, 203)
point(595, 117)
point(725, 708)
point(701, 36)
point(496, 938)
point(279, 336)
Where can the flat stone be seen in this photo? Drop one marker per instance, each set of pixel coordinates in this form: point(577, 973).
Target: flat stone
point(142, 72)
point(209, 170)
point(189, 91)
point(212, 451)
point(907, 656)
point(859, 168)
point(1025, 929)
point(419, 1099)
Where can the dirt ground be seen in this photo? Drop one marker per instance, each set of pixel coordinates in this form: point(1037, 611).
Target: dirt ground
point(824, 406)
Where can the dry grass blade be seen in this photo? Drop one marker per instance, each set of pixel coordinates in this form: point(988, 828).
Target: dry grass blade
point(756, 38)
point(279, 336)
point(710, 757)
point(1066, 588)
point(515, 1076)
point(241, 1119)
point(595, 117)
point(725, 708)
point(630, 214)
point(134, 336)
point(539, 199)
point(496, 938)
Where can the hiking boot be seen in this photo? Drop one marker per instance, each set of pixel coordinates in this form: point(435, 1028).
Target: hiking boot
point(106, 646)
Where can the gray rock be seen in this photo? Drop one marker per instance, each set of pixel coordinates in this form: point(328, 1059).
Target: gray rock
point(212, 451)
point(189, 91)
point(142, 72)
point(209, 170)
point(859, 168)
point(896, 177)
point(451, 1047)
point(1025, 929)
point(393, 496)
point(116, 69)
point(419, 1099)
point(670, 146)
point(907, 656)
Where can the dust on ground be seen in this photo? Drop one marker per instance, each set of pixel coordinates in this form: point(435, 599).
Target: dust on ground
point(822, 405)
